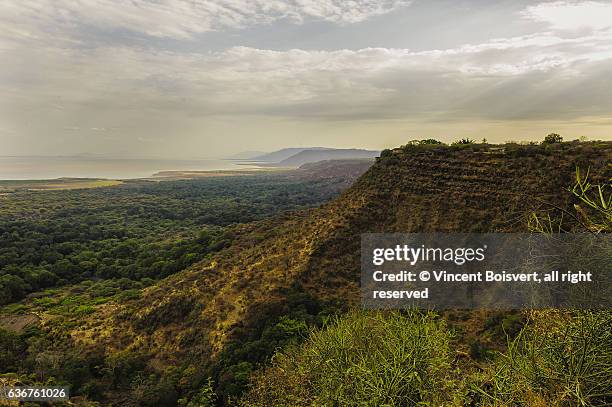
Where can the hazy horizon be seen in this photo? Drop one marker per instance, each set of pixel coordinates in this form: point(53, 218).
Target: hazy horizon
point(177, 79)
point(14, 168)
point(231, 156)
point(43, 167)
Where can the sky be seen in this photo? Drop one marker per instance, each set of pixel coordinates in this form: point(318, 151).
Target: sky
point(209, 78)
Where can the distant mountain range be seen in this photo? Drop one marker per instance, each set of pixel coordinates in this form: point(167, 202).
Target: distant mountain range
point(246, 155)
point(283, 154)
point(312, 156)
point(297, 156)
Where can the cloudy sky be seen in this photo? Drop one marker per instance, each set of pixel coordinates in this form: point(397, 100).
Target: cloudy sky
point(203, 78)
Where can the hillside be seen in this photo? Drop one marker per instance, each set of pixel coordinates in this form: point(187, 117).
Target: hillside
point(313, 156)
point(346, 170)
point(283, 154)
point(211, 318)
point(141, 229)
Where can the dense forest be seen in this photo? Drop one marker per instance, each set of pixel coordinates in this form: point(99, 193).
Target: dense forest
point(142, 231)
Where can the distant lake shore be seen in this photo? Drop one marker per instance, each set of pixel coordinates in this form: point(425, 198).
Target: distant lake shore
point(44, 168)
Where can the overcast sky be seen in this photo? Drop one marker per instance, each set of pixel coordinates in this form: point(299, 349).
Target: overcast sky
point(203, 78)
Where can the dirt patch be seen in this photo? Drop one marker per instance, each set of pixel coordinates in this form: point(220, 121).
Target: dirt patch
point(17, 323)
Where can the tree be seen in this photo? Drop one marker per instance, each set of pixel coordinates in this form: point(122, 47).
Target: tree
point(205, 397)
point(424, 142)
point(12, 288)
point(11, 350)
point(466, 140)
point(552, 138)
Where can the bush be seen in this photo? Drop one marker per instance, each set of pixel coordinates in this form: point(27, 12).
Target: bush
point(463, 141)
point(598, 200)
point(12, 347)
point(424, 142)
point(552, 138)
point(386, 153)
point(365, 359)
point(205, 397)
point(561, 359)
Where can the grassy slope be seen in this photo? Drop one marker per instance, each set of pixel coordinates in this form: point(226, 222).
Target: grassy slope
point(449, 190)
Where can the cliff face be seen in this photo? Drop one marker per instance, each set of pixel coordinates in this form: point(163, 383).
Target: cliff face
point(192, 315)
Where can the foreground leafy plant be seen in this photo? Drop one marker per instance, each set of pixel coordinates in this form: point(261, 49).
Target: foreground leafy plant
point(593, 210)
point(598, 199)
point(365, 359)
point(562, 359)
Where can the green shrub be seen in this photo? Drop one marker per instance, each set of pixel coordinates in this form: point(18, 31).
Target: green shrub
point(132, 294)
point(12, 347)
point(562, 359)
point(386, 153)
point(598, 200)
point(365, 359)
point(84, 310)
point(552, 138)
point(424, 142)
point(463, 141)
point(205, 397)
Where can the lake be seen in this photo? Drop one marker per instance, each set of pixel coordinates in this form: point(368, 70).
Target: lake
point(24, 168)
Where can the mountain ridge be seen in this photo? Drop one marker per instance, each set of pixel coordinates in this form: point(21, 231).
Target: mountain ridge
point(312, 156)
point(284, 153)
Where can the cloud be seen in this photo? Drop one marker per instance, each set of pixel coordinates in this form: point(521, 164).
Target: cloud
point(497, 79)
point(144, 92)
point(564, 15)
point(180, 19)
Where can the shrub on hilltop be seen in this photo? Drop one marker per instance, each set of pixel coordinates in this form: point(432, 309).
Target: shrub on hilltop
point(552, 138)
